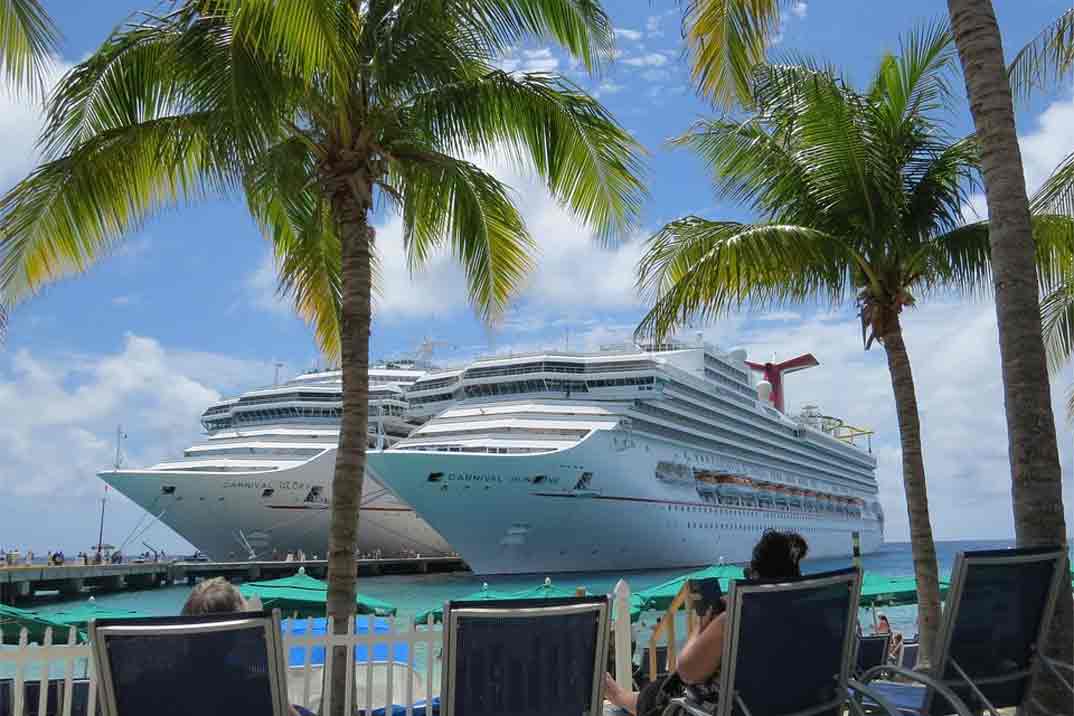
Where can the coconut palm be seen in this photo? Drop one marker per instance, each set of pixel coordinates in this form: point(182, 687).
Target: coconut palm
point(27, 39)
point(320, 111)
point(1036, 474)
point(860, 197)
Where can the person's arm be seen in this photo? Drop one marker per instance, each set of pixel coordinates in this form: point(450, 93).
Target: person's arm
point(701, 656)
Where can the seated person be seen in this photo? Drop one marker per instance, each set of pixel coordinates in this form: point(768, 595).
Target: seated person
point(219, 596)
point(775, 556)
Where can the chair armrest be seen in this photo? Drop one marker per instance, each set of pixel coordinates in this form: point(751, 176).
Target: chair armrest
point(952, 698)
point(686, 705)
point(1054, 666)
point(861, 688)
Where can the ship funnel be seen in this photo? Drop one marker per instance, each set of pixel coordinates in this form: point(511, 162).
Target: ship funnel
point(773, 375)
point(764, 391)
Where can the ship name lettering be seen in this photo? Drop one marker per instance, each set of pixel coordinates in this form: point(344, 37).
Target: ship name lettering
point(473, 477)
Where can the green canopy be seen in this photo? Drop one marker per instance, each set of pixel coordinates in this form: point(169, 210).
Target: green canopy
point(12, 620)
point(659, 598)
point(878, 590)
point(79, 615)
point(547, 590)
point(305, 596)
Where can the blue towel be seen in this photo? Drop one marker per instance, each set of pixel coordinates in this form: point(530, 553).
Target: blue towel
point(397, 710)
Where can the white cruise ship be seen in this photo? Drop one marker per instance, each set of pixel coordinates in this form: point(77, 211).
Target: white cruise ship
point(629, 458)
point(261, 484)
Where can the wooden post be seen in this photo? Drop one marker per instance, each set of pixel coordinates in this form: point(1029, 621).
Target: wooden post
point(623, 659)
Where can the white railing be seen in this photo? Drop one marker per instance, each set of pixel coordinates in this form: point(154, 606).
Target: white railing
point(413, 677)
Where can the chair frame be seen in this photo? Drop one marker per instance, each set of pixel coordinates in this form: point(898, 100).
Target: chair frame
point(933, 679)
point(453, 611)
point(269, 622)
point(740, 590)
point(886, 638)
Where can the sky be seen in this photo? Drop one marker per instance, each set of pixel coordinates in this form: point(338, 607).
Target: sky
point(186, 310)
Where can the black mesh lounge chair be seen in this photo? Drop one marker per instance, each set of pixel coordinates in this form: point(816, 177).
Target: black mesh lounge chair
point(53, 699)
point(524, 658)
point(998, 609)
point(872, 651)
point(807, 625)
point(908, 655)
point(212, 665)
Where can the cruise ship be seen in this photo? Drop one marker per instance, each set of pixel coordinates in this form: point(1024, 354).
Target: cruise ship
point(627, 458)
point(260, 485)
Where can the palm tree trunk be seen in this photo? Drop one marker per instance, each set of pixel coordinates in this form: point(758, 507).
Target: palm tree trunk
point(1036, 475)
point(351, 216)
point(917, 500)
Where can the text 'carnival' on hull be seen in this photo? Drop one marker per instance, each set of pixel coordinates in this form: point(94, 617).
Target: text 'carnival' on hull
point(628, 458)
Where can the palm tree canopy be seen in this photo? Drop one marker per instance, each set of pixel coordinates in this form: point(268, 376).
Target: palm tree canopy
point(1046, 60)
point(285, 100)
point(28, 37)
point(860, 194)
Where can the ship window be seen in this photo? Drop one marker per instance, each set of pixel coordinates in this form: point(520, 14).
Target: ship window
point(267, 492)
point(167, 489)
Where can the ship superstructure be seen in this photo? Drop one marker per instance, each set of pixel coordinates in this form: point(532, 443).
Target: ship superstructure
point(259, 485)
point(626, 458)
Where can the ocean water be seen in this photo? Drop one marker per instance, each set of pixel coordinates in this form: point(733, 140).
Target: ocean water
point(413, 593)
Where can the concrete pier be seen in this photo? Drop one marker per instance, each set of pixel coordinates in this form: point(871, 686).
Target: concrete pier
point(18, 583)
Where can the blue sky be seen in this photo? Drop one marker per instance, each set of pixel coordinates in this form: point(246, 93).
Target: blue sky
point(186, 310)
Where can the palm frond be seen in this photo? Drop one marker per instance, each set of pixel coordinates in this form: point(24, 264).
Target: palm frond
point(447, 201)
point(586, 159)
point(71, 211)
point(1056, 195)
point(284, 198)
point(1057, 324)
point(728, 39)
point(1046, 60)
point(697, 268)
point(28, 38)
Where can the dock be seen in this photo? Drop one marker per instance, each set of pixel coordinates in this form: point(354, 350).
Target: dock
point(21, 582)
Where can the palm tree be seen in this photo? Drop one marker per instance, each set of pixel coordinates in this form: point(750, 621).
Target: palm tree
point(27, 39)
point(860, 196)
point(319, 111)
point(1036, 475)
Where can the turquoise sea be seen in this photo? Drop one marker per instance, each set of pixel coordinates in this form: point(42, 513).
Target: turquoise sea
point(413, 593)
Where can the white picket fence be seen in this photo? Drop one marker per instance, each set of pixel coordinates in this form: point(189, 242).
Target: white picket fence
point(412, 679)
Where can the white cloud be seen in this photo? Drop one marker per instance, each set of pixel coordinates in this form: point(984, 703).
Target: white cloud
point(652, 26)
point(651, 59)
point(21, 120)
point(541, 60)
point(627, 34)
point(129, 300)
point(260, 287)
point(606, 88)
point(954, 353)
point(655, 75)
point(55, 448)
point(799, 8)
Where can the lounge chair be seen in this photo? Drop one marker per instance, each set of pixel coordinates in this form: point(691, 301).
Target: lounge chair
point(908, 655)
point(53, 698)
point(788, 650)
point(222, 664)
point(998, 610)
point(872, 651)
point(524, 658)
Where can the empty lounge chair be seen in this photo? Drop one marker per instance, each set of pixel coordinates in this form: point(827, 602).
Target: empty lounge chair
point(872, 651)
point(997, 612)
point(524, 658)
point(789, 648)
point(219, 664)
point(908, 655)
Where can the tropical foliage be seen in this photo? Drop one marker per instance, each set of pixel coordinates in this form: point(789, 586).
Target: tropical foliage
point(319, 112)
point(860, 196)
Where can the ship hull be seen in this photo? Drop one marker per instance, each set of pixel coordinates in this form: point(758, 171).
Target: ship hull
point(236, 515)
point(595, 506)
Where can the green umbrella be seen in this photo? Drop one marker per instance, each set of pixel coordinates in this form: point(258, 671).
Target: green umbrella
point(547, 590)
point(12, 620)
point(305, 596)
point(79, 615)
point(878, 590)
point(659, 598)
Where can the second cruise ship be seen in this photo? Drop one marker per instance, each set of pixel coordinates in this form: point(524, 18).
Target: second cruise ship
point(260, 485)
point(628, 458)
